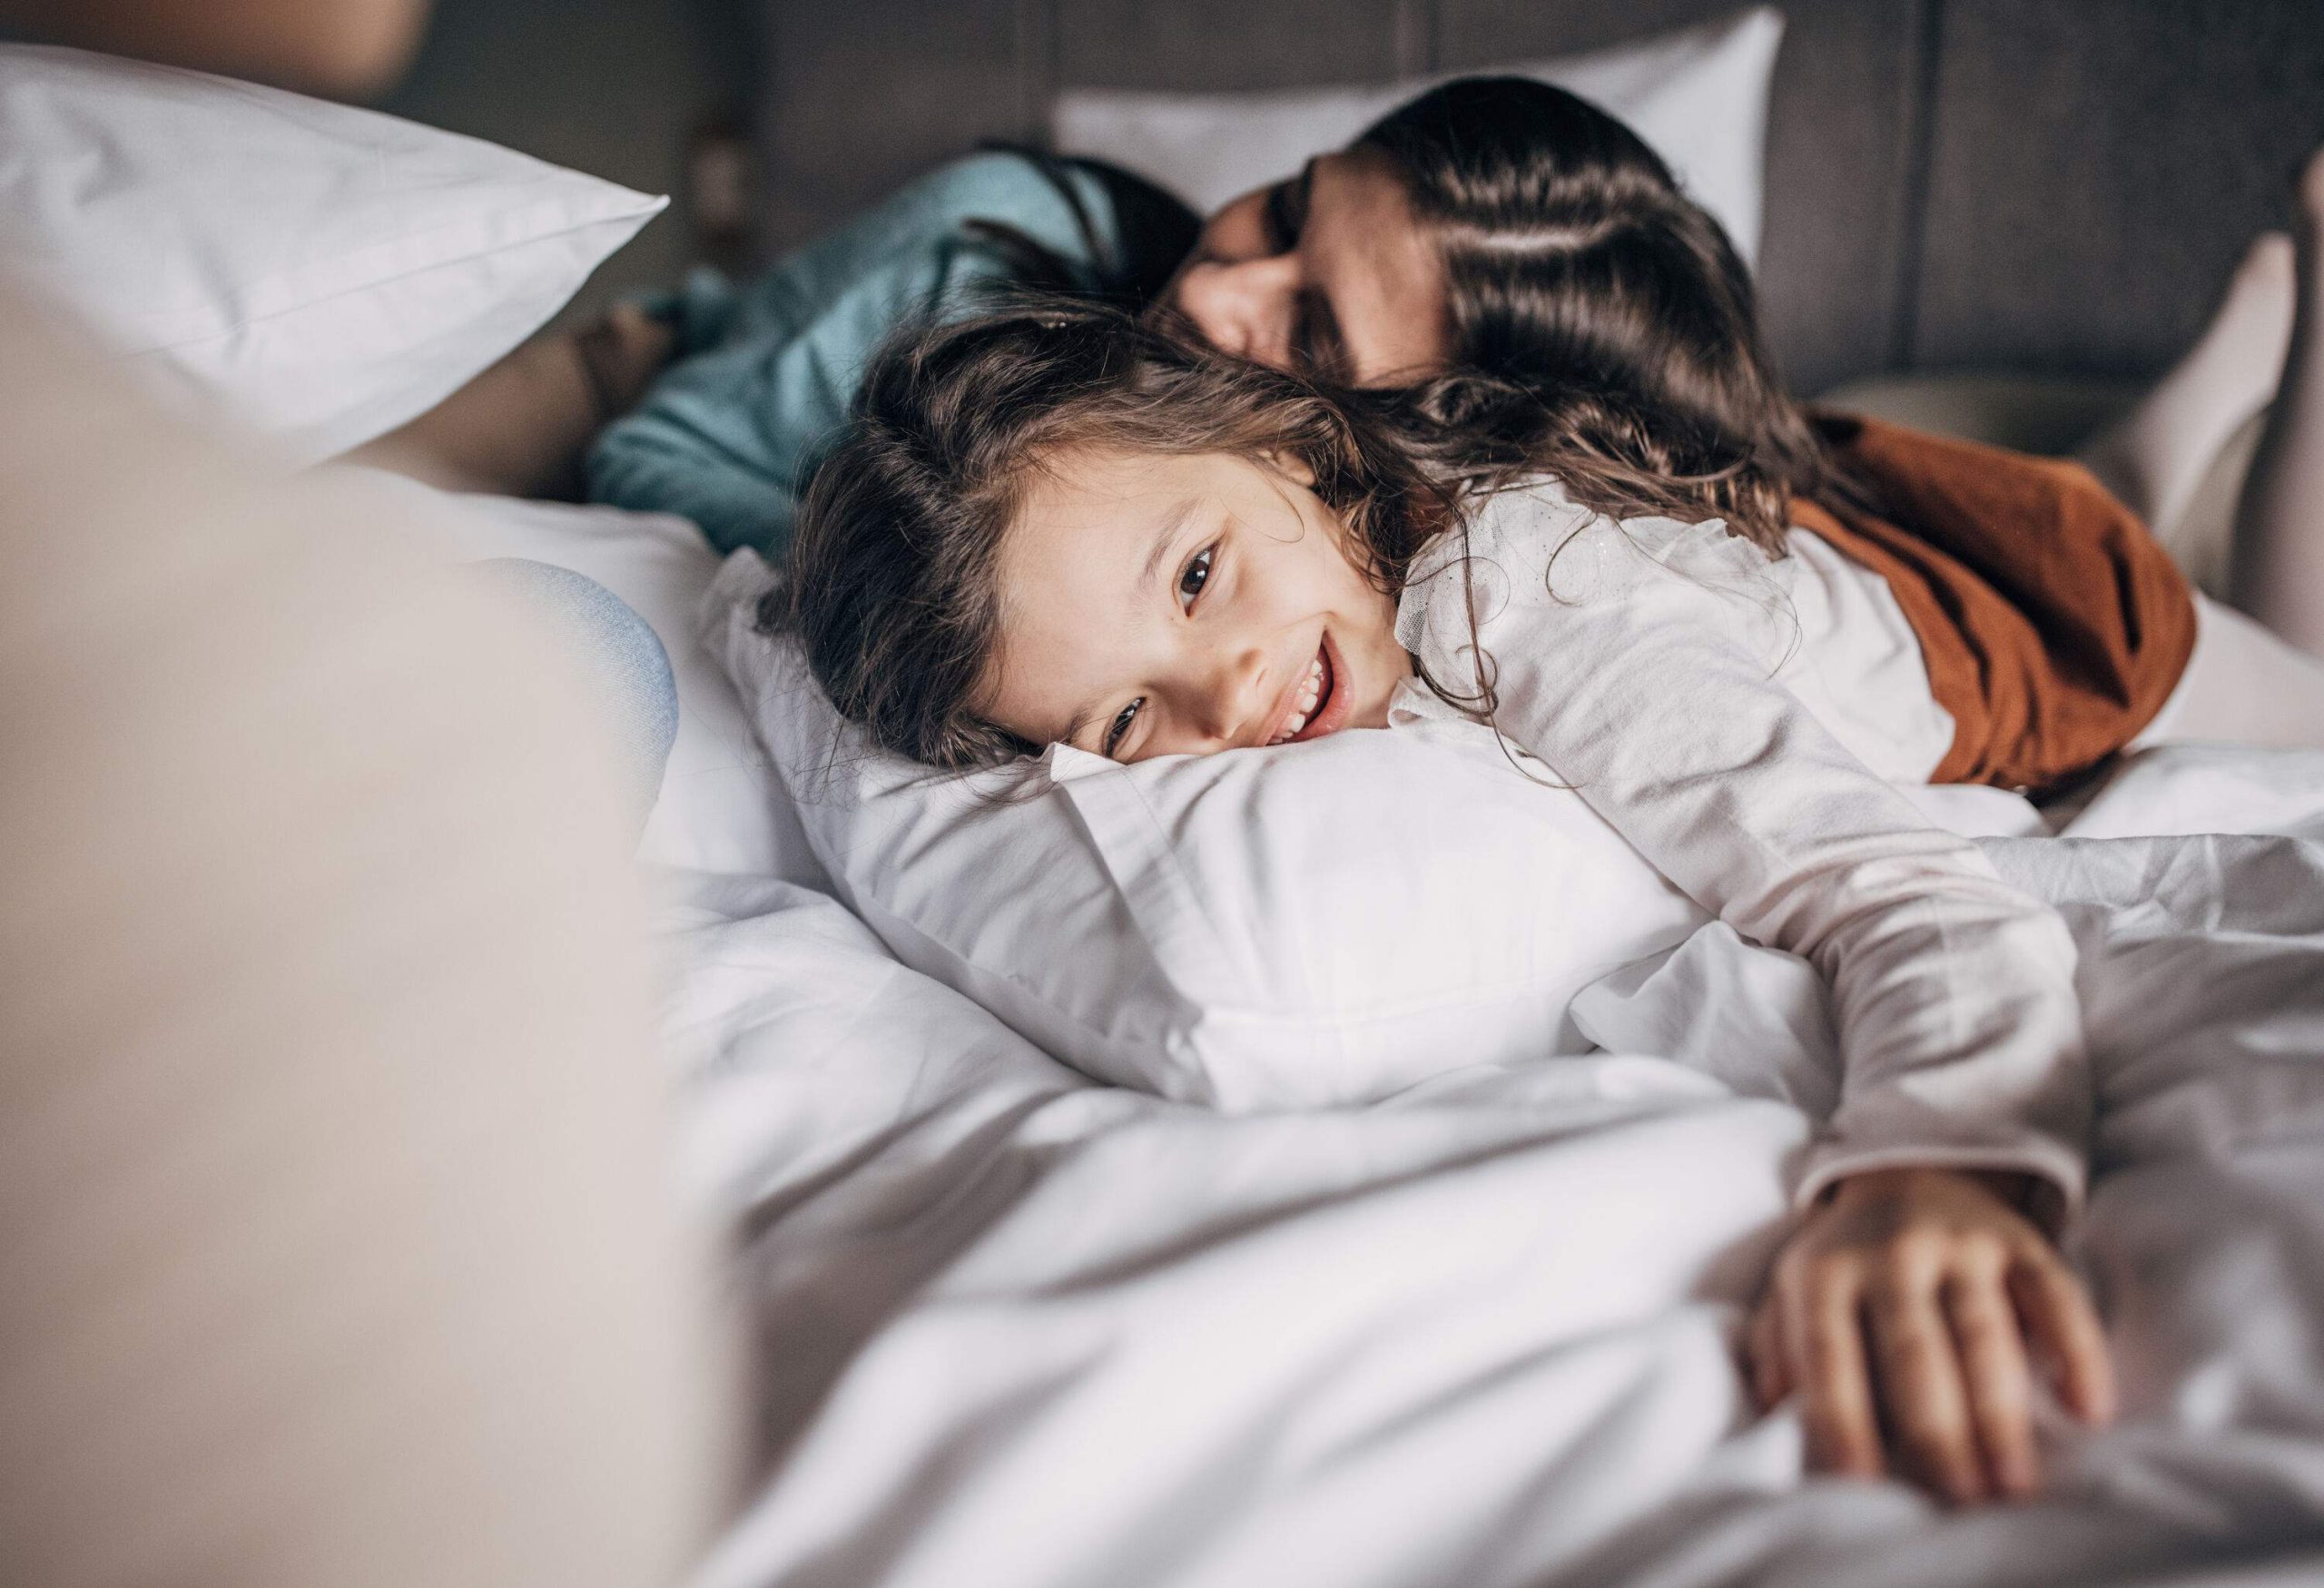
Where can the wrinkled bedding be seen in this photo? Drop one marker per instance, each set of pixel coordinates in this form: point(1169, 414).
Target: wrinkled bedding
point(1014, 1328)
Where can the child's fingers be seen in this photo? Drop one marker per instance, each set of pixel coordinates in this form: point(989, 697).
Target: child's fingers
point(1825, 1340)
point(1921, 1391)
point(2058, 1311)
point(1999, 1383)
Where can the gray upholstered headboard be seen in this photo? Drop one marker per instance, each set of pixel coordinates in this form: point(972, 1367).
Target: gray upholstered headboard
point(2050, 185)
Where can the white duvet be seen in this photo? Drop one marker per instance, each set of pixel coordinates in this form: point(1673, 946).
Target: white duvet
point(1017, 1328)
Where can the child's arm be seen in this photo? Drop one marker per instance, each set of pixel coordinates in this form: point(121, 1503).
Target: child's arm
point(1650, 688)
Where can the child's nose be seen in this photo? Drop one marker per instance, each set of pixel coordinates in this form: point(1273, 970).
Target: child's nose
point(1237, 701)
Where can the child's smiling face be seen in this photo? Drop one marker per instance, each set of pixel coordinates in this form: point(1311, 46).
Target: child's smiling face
point(1161, 605)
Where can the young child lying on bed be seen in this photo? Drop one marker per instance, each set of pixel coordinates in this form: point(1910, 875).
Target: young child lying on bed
point(1733, 637)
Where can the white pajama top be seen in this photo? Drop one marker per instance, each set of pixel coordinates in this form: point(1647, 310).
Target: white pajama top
point(1744, 723)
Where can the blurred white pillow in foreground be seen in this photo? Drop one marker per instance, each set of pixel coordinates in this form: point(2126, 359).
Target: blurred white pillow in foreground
point(328, 272)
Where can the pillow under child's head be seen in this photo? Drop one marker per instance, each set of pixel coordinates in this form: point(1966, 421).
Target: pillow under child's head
point(1326, 922)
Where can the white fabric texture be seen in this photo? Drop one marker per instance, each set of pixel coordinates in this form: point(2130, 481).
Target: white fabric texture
point(1690, 690)
point(1051, 1334)
point(1276, 928)
point(1697, 97)
point(328, 272)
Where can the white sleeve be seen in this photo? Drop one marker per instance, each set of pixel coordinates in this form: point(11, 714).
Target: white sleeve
point(1649, 689)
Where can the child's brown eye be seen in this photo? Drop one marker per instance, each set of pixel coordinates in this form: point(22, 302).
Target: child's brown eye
point(1119, 727)
point(1197, 574)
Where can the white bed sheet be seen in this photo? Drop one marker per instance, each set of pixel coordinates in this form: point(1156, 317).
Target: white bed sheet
point(1021, 1329)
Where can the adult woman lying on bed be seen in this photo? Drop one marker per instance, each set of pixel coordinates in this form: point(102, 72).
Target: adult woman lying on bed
point(1364, 275)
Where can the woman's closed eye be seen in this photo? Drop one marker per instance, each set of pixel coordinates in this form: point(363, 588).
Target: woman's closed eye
point(1318, 349)
point(1284, 213)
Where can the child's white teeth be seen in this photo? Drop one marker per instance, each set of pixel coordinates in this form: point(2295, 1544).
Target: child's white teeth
point(1310, 692)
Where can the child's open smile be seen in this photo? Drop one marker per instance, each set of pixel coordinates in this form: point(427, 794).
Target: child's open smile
point(1161, 605)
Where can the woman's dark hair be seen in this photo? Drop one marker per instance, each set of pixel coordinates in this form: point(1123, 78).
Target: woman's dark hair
point(894, 581)
point(1596, 314)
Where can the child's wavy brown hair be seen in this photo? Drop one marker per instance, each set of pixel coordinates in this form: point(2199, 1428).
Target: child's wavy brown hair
point(893, 586)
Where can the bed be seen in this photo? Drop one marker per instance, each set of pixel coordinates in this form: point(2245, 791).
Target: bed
point(1014, 1326)
point(1017, 1328)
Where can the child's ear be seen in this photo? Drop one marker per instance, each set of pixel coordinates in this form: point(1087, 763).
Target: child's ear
point(1293, 467)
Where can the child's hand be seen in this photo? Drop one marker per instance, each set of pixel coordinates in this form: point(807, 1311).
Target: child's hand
point(1906, 1302)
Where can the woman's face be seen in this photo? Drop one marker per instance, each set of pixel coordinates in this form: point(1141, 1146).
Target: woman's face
point(1164, 605)
point(1327, 273)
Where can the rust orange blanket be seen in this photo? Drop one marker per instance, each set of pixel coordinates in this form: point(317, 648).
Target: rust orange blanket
point(2052, 623)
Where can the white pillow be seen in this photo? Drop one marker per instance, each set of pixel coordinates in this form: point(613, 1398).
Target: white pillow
point(329, 273)
point(1317, 923)
point(721, 808)
point(1698, 98)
